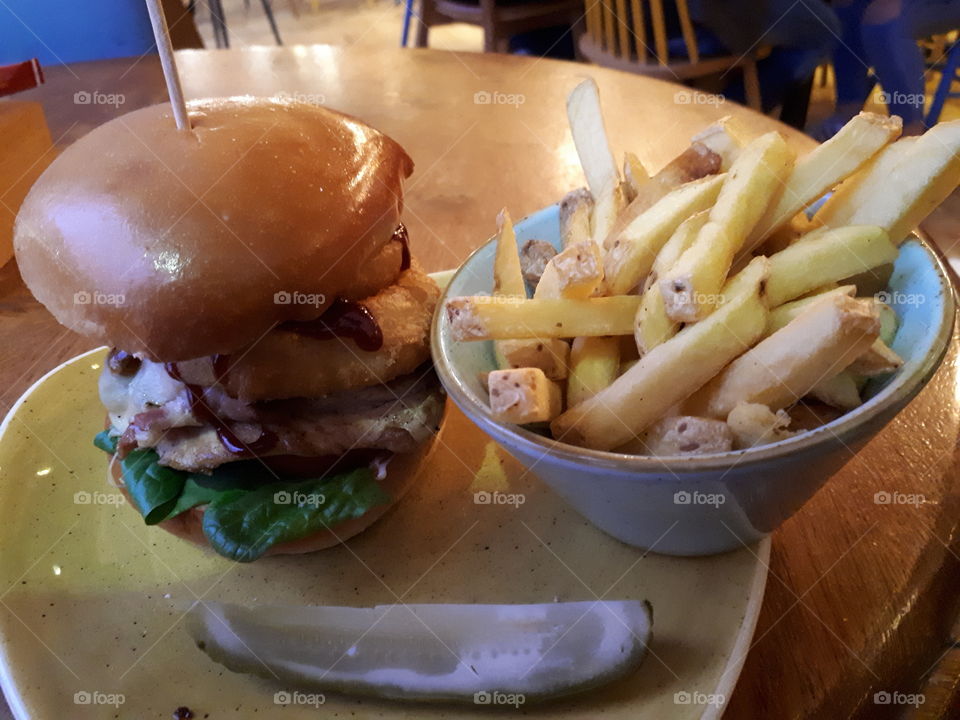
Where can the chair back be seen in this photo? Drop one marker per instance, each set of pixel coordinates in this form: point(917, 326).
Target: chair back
point(623, 32)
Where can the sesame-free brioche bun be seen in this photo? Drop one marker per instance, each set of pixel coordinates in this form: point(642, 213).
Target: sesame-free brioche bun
point(402, 471)
point(174, 244)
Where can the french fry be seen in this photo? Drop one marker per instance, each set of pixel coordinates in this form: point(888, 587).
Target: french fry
point(635, 175)
point(594, 363)
point(826, 256)
point(522, 396)
point(878, 359)
point(687, 435)
point(839, 391)
point(671, 371)
point(820, 342)
point(507, 273)
point(780, 316)
point(753, 424)
point(575, 211)
point(483, 317)
point(691, 288)
point(607, 208)
point(901, 185)
point(727, 138)
point(534, 256)
point(631, 255)
point(590, 138)
point(550, 355)
point(576, 272)
point(888, 322)
point(826, 166)
point(652, 326)
point(694, 163)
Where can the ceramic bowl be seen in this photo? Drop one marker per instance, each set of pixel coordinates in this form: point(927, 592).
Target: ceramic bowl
point(710, 503)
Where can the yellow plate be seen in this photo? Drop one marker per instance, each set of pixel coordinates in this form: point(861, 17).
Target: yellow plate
point(93, 600)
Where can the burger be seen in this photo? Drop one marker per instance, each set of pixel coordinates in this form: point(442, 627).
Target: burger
point(268, 386)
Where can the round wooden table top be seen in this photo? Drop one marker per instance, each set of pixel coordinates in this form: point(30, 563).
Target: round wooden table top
point(861, 596)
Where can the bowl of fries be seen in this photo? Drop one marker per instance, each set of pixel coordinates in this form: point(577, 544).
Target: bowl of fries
point(686, 357)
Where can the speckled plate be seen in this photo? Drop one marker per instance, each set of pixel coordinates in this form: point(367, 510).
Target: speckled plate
point(92, 600)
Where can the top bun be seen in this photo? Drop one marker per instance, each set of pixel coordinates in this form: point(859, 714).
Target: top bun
point(181, 244)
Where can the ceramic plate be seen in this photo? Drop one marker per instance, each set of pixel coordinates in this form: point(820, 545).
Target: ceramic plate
point(92, 600)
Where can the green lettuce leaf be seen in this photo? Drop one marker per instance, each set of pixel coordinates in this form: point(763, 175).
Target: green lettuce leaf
point(245, 517)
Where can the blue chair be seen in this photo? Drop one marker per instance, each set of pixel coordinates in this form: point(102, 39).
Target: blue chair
point(943, 92)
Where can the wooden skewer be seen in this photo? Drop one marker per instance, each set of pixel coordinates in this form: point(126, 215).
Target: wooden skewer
point(161, 34)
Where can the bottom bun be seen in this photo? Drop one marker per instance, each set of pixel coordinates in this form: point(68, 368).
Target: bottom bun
point(402, 472)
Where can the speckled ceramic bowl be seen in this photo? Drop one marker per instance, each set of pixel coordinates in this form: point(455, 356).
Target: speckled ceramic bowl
point(710, 503)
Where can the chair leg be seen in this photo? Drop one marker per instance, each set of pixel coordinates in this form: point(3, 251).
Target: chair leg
point(943, 88)
point(407, 16)
point(270, 19)
point(751, 84)
point(423, 23)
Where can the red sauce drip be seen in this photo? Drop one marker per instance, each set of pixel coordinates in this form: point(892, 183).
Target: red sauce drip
point(343, 319)
point(401, 235)
point(231, 441)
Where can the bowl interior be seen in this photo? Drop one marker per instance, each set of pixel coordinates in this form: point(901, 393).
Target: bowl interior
point(919, 292)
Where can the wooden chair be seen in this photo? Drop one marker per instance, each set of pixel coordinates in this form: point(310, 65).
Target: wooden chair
point(617, 37)
point(499, 22)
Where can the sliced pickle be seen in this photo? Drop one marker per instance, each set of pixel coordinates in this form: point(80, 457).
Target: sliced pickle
point(430, 652)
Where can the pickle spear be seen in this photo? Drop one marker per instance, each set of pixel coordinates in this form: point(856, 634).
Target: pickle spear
point(429, 652)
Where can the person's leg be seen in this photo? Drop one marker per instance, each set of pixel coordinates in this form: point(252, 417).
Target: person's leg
point(893, 52)
point(850, 66)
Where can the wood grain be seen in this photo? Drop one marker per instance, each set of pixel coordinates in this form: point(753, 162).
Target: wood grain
point(862, 595)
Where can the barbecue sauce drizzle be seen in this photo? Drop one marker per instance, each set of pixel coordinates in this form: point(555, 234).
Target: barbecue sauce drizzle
point(343, 319)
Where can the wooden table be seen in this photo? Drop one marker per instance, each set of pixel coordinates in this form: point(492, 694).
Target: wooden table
point(861, 596)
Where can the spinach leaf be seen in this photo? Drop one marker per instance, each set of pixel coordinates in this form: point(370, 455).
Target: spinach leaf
point(243, 526)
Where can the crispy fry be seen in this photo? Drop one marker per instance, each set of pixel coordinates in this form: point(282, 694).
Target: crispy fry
point(878, 359)
point(826, 256)
point(631, 255)
point(524, 395)
point(549, 355)
point(507, 273)
point(753, 424)
point(820, 342)
point(534, 256)
point(594, 363)
point(575, 211)
point(826, 166)
point(606, 210)
point(671, 371)
point(576, 272)
point(490, 318)
point(686, 435)
point(901, 185)
point(694, 163)
point(839, 391)
point(590, 138)
point(726, 137)
point(780, 316)
point(635, 175)
point(691, 288)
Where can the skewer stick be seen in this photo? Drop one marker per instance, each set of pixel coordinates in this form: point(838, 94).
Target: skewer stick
point(161, 34)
